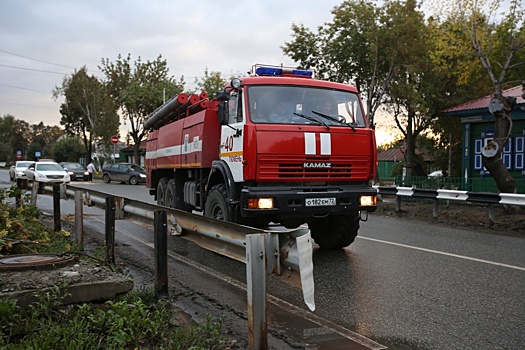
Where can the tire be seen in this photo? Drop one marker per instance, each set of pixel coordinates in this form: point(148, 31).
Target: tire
point(335, 232)
point(161, 191)
point(133, 180)
point(106, 178)
point(217, 204)
point(175, 200)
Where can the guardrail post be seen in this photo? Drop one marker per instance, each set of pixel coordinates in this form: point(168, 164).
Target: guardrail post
point(436, 208)
point(398, 203)
point(79, 224)
point(161, 253)
point(18, 198)
point(110, 230)
point(56, 207)
point(34, 192)
point(491, 214)
point(256, 286)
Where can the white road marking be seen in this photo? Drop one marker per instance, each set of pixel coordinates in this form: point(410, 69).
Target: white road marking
point(444, 253)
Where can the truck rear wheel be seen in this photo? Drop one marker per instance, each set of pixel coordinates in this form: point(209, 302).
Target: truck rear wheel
point(217, 204)
point(174, 201)
point(335, 232)
point(161, 191)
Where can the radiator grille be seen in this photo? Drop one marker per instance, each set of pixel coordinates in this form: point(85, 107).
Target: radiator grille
point(348, 168)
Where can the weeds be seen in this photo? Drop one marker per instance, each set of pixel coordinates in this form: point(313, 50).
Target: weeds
point(130, 322)
point(136, 320)
point(21, 231)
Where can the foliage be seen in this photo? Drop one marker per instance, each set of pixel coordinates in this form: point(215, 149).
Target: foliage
point(87, 111)
point(211, 83)
point(130, 322)
point(350, 49)
point(18, 135)
point(137, 89)
point(68, 149)
point(497, 40)
point(21, 230)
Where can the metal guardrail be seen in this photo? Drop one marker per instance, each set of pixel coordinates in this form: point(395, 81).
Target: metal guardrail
point(260, 250)
point(488, 198)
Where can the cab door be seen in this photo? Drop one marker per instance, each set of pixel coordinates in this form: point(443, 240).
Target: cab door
point(231, 146)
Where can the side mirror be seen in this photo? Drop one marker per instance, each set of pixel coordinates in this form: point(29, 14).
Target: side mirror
point(222, 111)
point(223, 95)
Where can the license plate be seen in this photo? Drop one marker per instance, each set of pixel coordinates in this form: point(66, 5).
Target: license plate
point(319, 202)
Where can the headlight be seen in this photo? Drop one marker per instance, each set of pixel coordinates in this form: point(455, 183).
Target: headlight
point(367, 201)
point(71, 173)
point(142, 175)
point(260, 203)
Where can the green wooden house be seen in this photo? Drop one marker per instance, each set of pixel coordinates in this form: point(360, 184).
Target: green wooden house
point(478, 130)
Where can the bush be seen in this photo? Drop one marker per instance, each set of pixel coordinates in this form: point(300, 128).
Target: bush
point(131, 322)
point(21, 230)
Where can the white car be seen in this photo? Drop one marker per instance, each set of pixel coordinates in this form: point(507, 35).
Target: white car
point(437, 173)
point(47, 172)
point(17, 171)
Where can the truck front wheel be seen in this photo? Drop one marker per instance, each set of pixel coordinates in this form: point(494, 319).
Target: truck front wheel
point(335, 232)
point(217, 205)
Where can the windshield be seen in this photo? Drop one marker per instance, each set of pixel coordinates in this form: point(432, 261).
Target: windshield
point(304, 105)
point(71, 166)
point(22, 165)
point(49, 167)
point(137, 168)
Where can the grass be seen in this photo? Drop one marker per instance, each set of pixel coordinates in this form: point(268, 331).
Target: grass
point(132, 321)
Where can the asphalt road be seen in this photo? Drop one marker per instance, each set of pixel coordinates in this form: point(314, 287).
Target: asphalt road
point(403, 284)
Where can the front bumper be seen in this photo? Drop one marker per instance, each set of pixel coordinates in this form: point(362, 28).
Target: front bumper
point(291, 202)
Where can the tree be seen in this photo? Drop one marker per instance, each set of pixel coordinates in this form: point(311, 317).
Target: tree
point(211, 82)
point(87, 109)
point(15, 136)
point(358, 47)
point(137, 89)
point(382, 51)
point(68, 149)
point(498, 41)
point(42, 139)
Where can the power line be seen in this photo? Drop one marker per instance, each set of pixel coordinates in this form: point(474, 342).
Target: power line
point(22, 88)
point(26, 105)
point(34, 70)
point(35, 59)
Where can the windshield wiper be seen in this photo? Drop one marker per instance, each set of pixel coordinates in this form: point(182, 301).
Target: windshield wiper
point(312, 119)
point(334, 119)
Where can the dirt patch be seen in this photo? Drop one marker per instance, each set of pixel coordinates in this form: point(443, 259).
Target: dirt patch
point(468, 216)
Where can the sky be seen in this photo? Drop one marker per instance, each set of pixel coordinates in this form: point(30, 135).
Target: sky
point(41, 42)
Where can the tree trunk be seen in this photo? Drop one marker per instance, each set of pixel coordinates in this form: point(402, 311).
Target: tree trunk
point(136, 159)
point(410, 144)
point(500, 106)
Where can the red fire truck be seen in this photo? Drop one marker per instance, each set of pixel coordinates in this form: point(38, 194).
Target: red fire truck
point(276, 147)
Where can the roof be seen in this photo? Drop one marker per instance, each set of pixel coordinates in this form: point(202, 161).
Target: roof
point(391, 154)
point(397, 154)
point(483, 102)
point(130, 147)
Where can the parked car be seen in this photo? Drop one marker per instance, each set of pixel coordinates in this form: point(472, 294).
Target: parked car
point(124, 172)
point(17, 171)
point(437, 173)
point(76, 171)
point(47, 172)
